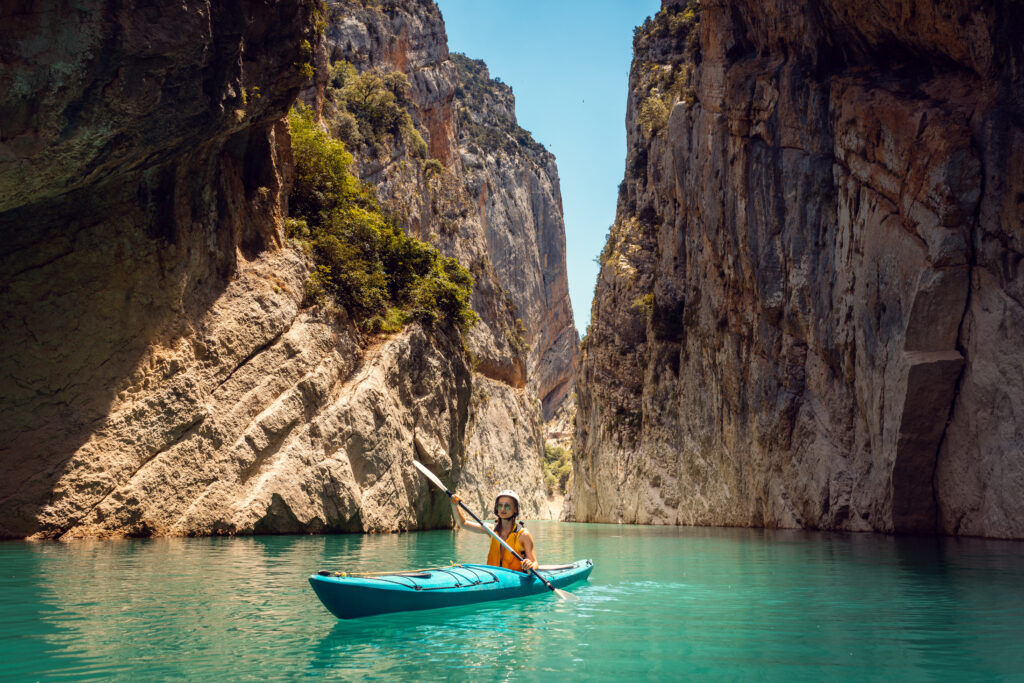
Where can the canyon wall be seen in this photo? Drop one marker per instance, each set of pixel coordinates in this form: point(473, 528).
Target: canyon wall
point(816, 263)
point(163, 372)
point(495, 204)
point(501, 207)
point(513, 181)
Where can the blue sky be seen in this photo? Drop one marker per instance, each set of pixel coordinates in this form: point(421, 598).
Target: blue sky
point(567, 62)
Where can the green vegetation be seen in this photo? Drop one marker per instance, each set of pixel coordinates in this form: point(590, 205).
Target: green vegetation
point(475, 90)
point(557, 467)
point(517, 337)
point(644, 304)
point(364, 263)
point(473, 77)
point(432, 167)
point(318, 13)
point(654, 111)
point(306, 54)
point(372, 109)
point(677, 23)
point(666, 84)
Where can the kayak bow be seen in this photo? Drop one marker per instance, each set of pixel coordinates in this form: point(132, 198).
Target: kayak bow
point(351, 596)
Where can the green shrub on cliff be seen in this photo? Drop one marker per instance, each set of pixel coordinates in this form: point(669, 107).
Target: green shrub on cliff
point(678, 23)
point(557, 467)
point(364, 263)
point(654, 111)
point(476, 92)
point(667, 82)
point(372, 108)
point(644, 304)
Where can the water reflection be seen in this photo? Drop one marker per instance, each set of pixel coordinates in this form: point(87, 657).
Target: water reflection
point(493, 639)
point(662, 602)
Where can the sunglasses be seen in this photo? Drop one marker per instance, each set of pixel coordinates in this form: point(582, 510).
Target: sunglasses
point(505, 506)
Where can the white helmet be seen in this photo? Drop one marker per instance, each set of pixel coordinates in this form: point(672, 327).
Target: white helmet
point(508, 493)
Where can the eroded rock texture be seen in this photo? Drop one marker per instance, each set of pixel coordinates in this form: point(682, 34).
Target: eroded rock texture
point(136, 179)
point(495, 204)
point(816, 262)
point(160, 374)
point(513, 181)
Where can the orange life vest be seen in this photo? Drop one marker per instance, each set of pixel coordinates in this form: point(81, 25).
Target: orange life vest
point(497, 556)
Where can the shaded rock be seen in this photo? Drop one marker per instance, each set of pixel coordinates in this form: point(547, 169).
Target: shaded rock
point(125, 216)
point(161, 375)
point(803, 244)
point(513, 181)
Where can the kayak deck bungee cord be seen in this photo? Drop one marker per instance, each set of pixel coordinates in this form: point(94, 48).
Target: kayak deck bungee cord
point(461, 575)
point(349, 596)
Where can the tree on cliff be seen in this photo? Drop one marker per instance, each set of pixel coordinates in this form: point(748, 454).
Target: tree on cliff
point(363, 262)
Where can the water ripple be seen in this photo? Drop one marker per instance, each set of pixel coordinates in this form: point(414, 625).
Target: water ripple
point(662, 602)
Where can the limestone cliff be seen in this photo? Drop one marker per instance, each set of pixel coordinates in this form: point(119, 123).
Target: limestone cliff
point(513, 181)
point(497, 204)
point(137, 178)
point(815, 263)
point(162, 373)
point(494, 203)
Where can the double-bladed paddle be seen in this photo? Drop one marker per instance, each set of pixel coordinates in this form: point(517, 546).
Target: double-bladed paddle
point(432, 477)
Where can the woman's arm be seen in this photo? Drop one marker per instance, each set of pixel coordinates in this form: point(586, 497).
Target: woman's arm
point(530, 561)
point(460, 517)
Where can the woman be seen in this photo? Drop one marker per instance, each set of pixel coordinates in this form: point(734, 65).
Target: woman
point(506, 508)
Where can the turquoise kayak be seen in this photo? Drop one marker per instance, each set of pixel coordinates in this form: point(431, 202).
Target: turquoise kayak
point(348, 596)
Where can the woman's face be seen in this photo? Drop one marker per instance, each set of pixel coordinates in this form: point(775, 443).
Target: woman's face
point(506, 507)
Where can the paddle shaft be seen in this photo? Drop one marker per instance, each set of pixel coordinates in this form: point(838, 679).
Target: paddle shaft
point(483, 526)
point(499, 540)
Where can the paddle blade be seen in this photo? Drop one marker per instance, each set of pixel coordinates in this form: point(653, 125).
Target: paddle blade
point(429, 475)
point(565, 596)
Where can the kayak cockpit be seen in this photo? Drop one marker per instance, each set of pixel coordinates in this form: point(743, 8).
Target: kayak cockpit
point(363, 594)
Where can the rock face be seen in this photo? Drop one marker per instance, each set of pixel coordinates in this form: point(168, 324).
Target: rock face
point(496, 206)
point(136, 179)
point(160, 374)
point(816, 263)
point(514, 183)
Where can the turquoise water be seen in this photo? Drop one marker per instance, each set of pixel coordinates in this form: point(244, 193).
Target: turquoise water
point(662, 603)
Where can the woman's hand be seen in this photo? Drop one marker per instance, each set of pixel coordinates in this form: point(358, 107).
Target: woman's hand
point(455, 499)
point(529, 564)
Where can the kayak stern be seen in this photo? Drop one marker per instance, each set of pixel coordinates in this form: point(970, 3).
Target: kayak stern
point(353, 596)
